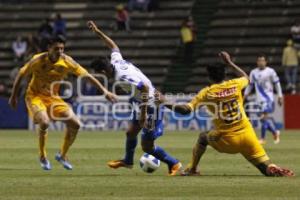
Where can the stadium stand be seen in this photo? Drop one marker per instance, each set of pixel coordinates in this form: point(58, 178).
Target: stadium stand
point(241, 27)
point(245, 28)
point(179, 72)
point(151, 45)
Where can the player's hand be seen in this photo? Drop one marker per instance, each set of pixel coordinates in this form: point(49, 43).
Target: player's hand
point(111, 97)
point(280, 101)
point(13, 101)
point(225, 57)
point(92, 26)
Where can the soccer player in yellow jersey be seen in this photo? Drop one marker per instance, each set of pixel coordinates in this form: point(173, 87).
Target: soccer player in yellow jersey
point(42, 96)
point(233, 132)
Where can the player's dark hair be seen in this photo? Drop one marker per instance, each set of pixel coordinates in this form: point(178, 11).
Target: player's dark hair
point(57, 39)
point(262, 55)
point(100, 63)
point(216, 72)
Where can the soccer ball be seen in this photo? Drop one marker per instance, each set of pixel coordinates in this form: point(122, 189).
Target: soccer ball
point(149, 163)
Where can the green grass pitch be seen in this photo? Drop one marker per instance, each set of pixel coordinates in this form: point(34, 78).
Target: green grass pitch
point(224, 176)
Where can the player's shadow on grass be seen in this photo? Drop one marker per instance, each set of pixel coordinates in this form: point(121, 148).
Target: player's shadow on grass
point(15, 169)
point(231, 175)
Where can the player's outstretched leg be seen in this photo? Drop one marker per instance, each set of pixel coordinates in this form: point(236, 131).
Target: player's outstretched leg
point(269, 169)
point(42, 119)
point(72, 127)
point(131, 142)
point(174, 165)
point(198, 151)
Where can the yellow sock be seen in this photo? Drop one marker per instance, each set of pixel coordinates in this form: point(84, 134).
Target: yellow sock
point(43, 135)
point(70, 136)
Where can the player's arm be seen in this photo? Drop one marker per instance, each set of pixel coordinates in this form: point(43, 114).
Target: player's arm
point(107, 40)
point(183, 109)
point(108, 95)
point(78, 70)
point(249, 88)
point(226, 58)
point(23, 72)
point(278, 88)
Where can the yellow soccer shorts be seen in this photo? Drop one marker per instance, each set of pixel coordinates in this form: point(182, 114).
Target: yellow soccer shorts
point(244, 142)
point(54, 106)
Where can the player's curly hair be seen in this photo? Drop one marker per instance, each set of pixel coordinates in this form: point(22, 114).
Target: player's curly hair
point(57, 38)
point(216, 72)
point(100, 63)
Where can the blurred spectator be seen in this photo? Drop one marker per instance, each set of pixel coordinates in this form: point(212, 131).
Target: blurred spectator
point(122, 18)
point(33, 46)
point(295, 31)
point(153, 5)
point(290, 62)
point(19, 47)
point(59, 25)
point(188, 36)
point(45, 33)
point(3, 90)
point(141, 5)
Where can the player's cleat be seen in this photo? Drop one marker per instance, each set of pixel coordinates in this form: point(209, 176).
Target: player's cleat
point(65, 163)
point(274, 170)
point(262, 141)
point(175, 169)
point(277, 137)
point(115, 164)
point(191, 172)
point(45, 164)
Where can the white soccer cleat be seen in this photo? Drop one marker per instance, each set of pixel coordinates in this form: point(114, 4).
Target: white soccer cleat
point(45, 164)
point(63, 161)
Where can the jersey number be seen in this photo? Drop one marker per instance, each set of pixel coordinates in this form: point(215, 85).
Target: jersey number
point(230, 111)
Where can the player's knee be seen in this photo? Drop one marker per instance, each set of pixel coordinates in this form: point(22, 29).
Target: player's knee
point(131, 134)
point(202, 139)
point(147, 148)
point(264, 117)
point(74, 124)
point(44, 124)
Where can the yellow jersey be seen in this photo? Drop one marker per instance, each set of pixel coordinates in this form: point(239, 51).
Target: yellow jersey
point(225, 102)
point(45, 72)
point(186, 34)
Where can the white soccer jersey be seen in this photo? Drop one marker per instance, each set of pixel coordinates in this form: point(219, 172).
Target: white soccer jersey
point(264, 80)
point(127, 72)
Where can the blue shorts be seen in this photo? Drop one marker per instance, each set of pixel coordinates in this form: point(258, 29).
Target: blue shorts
point(267, 106)
point(154, 120)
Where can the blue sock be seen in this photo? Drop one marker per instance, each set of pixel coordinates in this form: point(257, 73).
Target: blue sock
point(162, 155)
point(264, 127)
point(271, 126)
point(130, 148)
